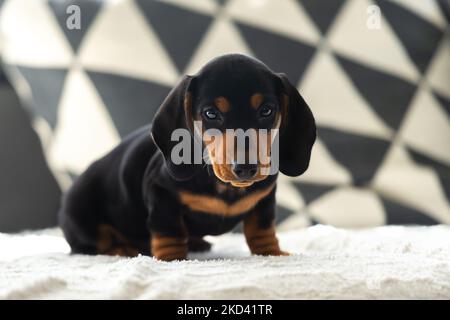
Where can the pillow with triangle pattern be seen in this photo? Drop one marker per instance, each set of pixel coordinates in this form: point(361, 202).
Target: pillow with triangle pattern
point(376, 74)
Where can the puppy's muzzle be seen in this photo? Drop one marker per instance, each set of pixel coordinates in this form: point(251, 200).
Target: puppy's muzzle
point(244, 172)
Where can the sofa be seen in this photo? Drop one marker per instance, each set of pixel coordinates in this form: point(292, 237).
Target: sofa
point(375, 73)
point(380, 96)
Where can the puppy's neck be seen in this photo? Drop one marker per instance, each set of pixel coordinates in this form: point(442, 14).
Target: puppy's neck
point(223, 188)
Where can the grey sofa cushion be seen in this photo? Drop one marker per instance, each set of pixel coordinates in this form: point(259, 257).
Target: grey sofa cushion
point(29, 194)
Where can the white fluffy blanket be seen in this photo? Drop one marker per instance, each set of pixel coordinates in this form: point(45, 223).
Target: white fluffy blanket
point(328, 263)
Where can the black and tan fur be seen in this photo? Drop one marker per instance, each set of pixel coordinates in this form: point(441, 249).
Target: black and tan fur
point(136, 200)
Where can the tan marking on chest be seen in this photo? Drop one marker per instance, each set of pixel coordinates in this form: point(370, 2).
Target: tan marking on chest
point(222, 104)
point(213, 205)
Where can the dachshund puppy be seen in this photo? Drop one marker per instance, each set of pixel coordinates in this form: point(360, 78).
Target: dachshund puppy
point(137, 199)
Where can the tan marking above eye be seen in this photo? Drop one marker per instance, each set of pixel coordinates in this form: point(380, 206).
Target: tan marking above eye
point(256, 100)
point(213, 205)
point(222, 104)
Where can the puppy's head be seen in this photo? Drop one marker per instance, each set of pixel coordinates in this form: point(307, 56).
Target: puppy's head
point(240, 105)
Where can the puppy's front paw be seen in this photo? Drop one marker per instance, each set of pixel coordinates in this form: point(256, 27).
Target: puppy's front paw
point(123, 251)
point(169, 248)
point(281, 253)
point(271, 252)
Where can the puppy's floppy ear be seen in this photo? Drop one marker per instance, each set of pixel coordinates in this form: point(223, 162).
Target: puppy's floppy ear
point(298, 131)
point(175, 113)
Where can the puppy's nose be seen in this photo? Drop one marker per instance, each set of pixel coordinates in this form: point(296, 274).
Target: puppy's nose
point(244, 171)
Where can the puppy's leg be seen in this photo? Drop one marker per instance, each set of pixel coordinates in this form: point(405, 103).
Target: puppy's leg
point(259, 229)
point(169, 248)
point(169, 237)
point(261, 240)
point(112, 242)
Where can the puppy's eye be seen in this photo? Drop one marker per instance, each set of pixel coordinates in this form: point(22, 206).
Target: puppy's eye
point(266, 110)
point(211, 114)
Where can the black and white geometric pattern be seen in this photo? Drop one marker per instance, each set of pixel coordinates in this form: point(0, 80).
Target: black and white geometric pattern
point(29, 194)
point(381, 97)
